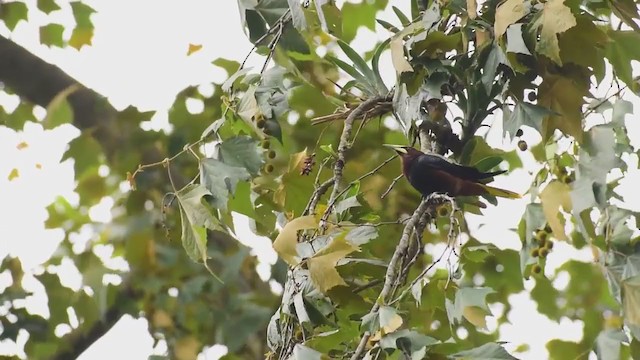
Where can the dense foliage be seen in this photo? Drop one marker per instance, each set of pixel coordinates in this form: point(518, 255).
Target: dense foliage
point(296, 146)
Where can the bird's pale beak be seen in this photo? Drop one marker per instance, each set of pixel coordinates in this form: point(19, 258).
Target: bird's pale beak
point(398, 148)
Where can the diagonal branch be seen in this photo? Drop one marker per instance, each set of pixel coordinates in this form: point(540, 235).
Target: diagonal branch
point(392, 270)
point(344, 145)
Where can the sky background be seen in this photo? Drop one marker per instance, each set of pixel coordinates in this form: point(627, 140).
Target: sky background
point(139, 57)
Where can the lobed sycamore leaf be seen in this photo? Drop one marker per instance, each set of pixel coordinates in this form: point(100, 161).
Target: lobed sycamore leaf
point(221, 180)
point(556, 195)
point(508, 13)
point(196, 218)
point(621, 50)
point(322, 266)
point(563, 96)
point(286, 241)
point(525, 114)
point(471, 304)
point(242, 151)
point(554, 19)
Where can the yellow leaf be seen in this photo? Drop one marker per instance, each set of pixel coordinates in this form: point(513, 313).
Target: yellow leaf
point(22, 145)
point(472, 9)
point(476, 316)
point(14, 174)
point(556, 18)
point(162, 319)
point(631, 300)
point(187, 348)
point(285, 244)
point(553, 197)
point(508, 13)
point(296, 161)
point(322, 266)
point(193, 48)
point(38, 166)
point(390, 321)
point(564, 96)
point(396, 45)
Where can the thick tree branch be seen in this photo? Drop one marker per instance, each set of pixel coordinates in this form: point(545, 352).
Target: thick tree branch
point(81, 339)
point(39, 82)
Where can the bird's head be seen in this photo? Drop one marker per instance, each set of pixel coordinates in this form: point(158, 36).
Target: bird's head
point(405, 152)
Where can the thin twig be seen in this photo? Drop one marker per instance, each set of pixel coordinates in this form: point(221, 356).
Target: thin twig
point(366, 286)
point(365, 175)
point(317, 194)
point(286, 17)
point(393, 183)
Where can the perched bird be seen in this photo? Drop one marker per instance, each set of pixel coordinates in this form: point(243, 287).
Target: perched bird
point(434, 174)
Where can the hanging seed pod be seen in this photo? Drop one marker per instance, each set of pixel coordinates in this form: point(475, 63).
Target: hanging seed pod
point(309, 162)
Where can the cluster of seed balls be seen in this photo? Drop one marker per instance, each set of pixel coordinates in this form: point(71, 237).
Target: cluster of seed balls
point(542, 237)
point(266, 144)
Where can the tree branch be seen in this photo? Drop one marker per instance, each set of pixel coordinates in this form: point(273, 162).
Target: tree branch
point(39, 82)
point(392, 270)
point(80, 340)
point(344, 145)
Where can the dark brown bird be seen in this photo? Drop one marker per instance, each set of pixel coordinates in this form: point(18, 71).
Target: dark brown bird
point(434, 174)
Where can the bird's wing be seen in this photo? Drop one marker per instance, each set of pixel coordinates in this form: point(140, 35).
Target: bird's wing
point(460, 171)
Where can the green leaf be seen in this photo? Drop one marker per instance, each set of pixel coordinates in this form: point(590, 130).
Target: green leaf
point(515, 41)
point(608, 344)
point(496, 58)
point(525, 114)
point(195, 219)
point(585, 35)
point(414, 339)
point(301, 352)
point(362, 234)
point(297, 14)
point(226, 86)
point(47, 6)
point(489, 351)
point(621, 49)
point(12, 13)
point(357, 15)
point(375, 61)
point(81, 37)
point(402, 17)
point(242, 151)
point(59, 111)
point(358, 62)
point(82, 14)
point(470, 303)
point(51, 34)
point(362, 81)
point(220, 179)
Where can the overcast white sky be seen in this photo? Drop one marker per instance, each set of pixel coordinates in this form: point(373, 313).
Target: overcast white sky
point(139, 57)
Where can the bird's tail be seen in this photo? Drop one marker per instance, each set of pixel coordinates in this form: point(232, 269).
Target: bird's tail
point(500, 192)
